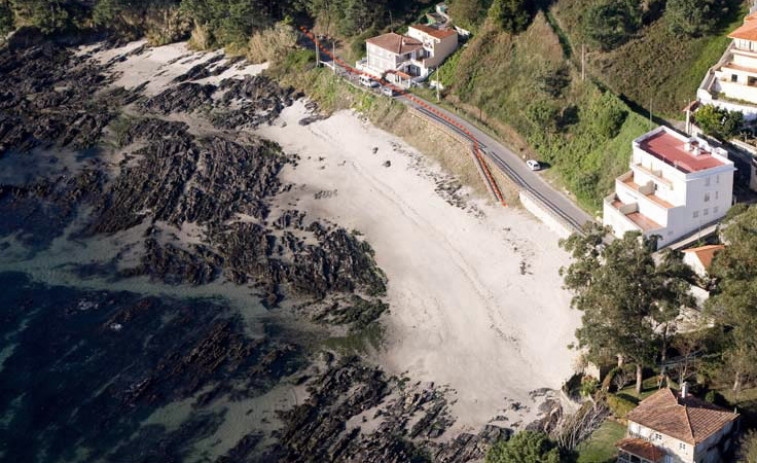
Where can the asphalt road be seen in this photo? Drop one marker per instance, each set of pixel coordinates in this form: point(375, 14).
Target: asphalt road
point(509, 163)
point(500, 156)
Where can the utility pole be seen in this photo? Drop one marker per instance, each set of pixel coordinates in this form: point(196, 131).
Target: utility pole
point(650, 110)
point(317, 52)
point(438, 71)
point(583, 62)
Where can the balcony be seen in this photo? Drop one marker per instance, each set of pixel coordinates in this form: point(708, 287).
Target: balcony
point(657, 174)
point(627, 181)
point(633, 219)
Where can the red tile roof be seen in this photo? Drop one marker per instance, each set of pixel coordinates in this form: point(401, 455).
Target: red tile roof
point(748, 31)
point(672, 150)
point(690, 420)
point(705, 254)
point(435, 33)
point(641, 448)
point(395, 43)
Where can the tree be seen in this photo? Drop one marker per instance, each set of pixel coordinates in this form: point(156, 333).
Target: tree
point(624, 296)
point(229, 21)
point(610, 23)
point(734, 303)
point(512, 16)
point(748, 450)
point(691, 17)
point(524, 447)
point(607, 115)
point(6, 20)
point(51, 16)
point(719, 123)
point(467, 13)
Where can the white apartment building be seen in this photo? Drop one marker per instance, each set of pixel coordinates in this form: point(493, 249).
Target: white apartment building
point(732, 83)
point(676, 186)
point(408, 58)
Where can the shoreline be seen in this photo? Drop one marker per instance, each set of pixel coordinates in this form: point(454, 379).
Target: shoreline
point(438, 259)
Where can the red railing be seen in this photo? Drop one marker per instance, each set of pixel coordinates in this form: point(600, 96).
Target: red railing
point(483, 166)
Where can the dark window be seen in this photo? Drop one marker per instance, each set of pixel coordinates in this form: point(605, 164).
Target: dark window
point(734, 78)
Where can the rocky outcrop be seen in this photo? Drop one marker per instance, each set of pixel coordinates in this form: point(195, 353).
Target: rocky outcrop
point(135, 354)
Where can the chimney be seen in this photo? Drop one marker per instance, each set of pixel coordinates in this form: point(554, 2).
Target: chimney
point(684, 390)
point(687, 146)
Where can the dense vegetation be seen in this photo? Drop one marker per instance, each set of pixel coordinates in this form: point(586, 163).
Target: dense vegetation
point(659, 61)
point(525, 447)
point(629, 302)
point(528, 93)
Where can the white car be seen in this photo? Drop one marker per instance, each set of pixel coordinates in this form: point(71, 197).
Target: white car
point(368, 82)
point(533, 164)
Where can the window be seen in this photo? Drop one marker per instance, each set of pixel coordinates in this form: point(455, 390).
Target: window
point(681, 446)
point(656, 436)
point(706, 197)
point(696, 214)
point(717, 178)
point(707, 181)
point(706, 211)
point(715, 210)
point(734, 78)
point(717, 194)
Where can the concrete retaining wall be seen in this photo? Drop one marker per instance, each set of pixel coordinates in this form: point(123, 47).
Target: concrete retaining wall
point(551, 220)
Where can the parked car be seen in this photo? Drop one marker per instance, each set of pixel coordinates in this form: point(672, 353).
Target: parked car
point(533, 164)
point(388, 91)
point(368, 81)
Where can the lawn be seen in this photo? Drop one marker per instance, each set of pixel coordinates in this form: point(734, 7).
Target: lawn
point(648, 387)
point(600, 446)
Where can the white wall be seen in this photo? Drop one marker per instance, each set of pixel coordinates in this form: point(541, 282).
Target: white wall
point(379, 58)
point(677, 450)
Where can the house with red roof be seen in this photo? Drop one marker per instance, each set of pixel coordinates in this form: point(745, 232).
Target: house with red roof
point(676, 186)
point(700, 258)
point(411, 57)
point(668, 427)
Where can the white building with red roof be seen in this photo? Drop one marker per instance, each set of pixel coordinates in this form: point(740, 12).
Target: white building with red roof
point(732, 83)
point(411, 56)
point(676, 186)
point(670, 428)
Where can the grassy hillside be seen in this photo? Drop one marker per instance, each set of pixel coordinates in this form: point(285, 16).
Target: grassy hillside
point(655, 64)
point(523, 82)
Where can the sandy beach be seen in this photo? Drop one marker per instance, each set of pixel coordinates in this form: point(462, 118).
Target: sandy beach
point(476, 300)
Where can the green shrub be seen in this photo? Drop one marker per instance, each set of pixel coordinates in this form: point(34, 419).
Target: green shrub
point(524, 447)
point(6, 20)
point(607, 382)
point(607, 114)
point(611, 23)
point(589, 386)
point(692, 17)
point(719, 123)
point(511, 16)
point(619, 406)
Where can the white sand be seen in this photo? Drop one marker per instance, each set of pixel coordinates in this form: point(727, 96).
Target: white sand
point(462, 312)
point(160, 65)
